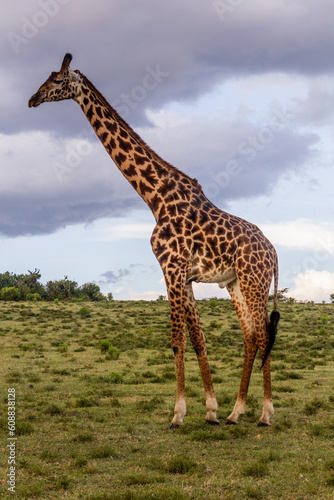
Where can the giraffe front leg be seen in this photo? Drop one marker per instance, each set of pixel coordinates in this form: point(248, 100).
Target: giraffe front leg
point(175, 282)
point(198, 342)
point(179, 348)
point(180, 405)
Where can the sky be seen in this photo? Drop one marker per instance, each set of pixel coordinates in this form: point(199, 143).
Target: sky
point(238, 94)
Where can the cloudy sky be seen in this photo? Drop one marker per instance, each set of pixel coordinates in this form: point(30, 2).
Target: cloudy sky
point(239, 94)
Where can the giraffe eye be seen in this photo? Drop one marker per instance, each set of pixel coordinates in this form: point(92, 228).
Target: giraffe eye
point(58, 81)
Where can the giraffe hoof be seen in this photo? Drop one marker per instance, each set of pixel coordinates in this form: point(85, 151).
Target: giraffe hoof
point(263, 424)
point(212, 422)
point(229, 422)
point(174, 426)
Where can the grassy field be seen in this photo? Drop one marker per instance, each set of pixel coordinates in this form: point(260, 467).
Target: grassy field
point(92, 417)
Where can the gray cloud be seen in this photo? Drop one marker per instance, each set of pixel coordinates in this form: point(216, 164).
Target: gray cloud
point(114, 276)
point(317, 108)
point(49, 183)
point(48, 198)
point(196, 46)
point(113, 45)
point(234, 158)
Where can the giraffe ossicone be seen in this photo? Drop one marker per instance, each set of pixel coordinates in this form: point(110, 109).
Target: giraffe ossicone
point(193, 241)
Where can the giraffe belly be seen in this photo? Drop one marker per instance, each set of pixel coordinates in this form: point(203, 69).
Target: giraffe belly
point(222, 277)
point(227, 278)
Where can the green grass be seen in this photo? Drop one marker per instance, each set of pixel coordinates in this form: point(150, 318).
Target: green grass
point(95, 391)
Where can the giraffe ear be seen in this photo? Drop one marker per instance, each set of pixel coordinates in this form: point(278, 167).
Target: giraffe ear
point(66, 62)
point(74, 75)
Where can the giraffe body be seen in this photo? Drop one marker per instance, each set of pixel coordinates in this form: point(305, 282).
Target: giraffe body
point(193, 241)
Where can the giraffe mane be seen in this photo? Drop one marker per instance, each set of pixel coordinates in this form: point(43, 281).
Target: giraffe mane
point(171, 169)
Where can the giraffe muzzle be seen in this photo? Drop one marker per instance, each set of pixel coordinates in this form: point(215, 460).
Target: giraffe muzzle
point(35, 101)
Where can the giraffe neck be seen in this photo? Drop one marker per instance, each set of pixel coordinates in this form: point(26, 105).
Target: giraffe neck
point(156, 181)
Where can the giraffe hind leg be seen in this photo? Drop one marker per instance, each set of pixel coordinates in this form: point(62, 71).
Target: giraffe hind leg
point(253, 306)
point(250, 349)
point(268, 407)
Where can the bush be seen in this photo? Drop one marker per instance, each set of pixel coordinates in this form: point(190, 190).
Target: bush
point(107, 347)
point(10, 293)
point(104, 345)
point(113, 352)
point(213, 303)
point(62, 347)
point(84, 312)
point(33, 296)
point(215, 325)
point(115, 378)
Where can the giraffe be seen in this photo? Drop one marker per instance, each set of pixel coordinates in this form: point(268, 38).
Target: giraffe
point(193, 241)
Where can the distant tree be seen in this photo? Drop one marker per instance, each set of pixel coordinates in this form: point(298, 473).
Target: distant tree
point(332, 298)
point(28, 283)
point(25, 284)
point(62, 289)
point(92, 292)
point(7, 279)
point(27, 287)
point(280, 296)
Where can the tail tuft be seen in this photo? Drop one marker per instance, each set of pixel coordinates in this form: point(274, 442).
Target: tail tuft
point(272, 331)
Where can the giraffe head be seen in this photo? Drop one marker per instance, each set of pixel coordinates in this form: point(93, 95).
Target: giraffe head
point(59, 86)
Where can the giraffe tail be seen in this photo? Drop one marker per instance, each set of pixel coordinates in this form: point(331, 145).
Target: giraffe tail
point(272, 332)
point(274, 319)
